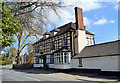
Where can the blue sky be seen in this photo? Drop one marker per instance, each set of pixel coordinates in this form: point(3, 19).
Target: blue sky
point(104, 22)
point(100, 18)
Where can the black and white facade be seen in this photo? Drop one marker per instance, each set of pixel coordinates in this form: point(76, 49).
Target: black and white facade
point(57, 48)
point(72, 46)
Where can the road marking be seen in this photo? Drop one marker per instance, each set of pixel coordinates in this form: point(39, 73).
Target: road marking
point(17, 72)
point(37, 79)
point(32, 78)
point(23, 76)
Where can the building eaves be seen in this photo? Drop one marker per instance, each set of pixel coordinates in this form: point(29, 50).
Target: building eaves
point(98, 50)
point(61, 29)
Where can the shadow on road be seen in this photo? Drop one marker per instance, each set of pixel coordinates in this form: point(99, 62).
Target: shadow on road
point(79, 72)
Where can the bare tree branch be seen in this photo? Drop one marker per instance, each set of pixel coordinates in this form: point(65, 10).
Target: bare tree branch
point(25, 39)
point(24, 47)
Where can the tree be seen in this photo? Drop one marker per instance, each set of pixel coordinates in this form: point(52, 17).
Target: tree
point(21, 45)
point(10, 26)
point(33, 13)
point(6, 59)
point(32, 19)
point(30, 53)
point(13, 52)
point(30, 48)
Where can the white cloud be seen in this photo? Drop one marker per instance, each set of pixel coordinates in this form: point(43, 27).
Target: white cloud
point(63, 17)
point(100, 21)
point(84, 0)
point(103, 21)
point(93, 32)
point(87, 22)
point(111, 21)
point(85, 4)
point(108, 0)
point(91, 0)
point(67, 13)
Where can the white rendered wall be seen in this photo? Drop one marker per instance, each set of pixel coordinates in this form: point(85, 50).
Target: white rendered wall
point(109, 63)
point(38, 65)
point(119, 63)
point(41, 65)
point(75, 63)
point(80, 41)
point(62, 66)
point(51, 65)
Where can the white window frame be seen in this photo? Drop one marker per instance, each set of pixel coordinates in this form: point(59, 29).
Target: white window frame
point(59, 58)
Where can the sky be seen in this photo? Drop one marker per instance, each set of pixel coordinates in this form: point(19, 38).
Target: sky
point(100, 18)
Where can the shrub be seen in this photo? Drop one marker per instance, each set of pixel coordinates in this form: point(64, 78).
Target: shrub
point(3, 62)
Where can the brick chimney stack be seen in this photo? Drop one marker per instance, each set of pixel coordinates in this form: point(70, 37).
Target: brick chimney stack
point(79, 18)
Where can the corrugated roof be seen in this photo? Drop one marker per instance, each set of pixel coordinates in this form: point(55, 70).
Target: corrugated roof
point(103, 49)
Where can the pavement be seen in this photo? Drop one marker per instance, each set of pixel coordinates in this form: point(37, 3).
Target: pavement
point(8, 74)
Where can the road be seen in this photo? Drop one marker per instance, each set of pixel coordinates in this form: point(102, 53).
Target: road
point(10, 75)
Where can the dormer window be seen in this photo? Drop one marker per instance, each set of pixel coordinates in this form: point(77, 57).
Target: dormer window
point(52, 34)
point(46, 35)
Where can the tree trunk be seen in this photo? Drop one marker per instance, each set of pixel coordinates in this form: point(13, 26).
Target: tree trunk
point(18, 58)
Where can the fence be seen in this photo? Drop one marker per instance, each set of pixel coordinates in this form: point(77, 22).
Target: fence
point(22, 66)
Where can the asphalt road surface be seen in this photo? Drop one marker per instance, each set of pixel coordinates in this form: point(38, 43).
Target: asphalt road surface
point(13, 76)
point(10, 75)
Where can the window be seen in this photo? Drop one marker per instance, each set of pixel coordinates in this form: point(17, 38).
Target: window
point(66, 57)
point(90, 40)
point(52, 45)
point(80, 62)
point(55, 58)
point(64, 43)
point(51, 59)
point(40, 60)
point(52, 34)
point(61, 58)
point(48, 59)
point(37, 49)
point(36, 59)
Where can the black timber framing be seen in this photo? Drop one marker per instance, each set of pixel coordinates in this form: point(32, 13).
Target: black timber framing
point(45, 46)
